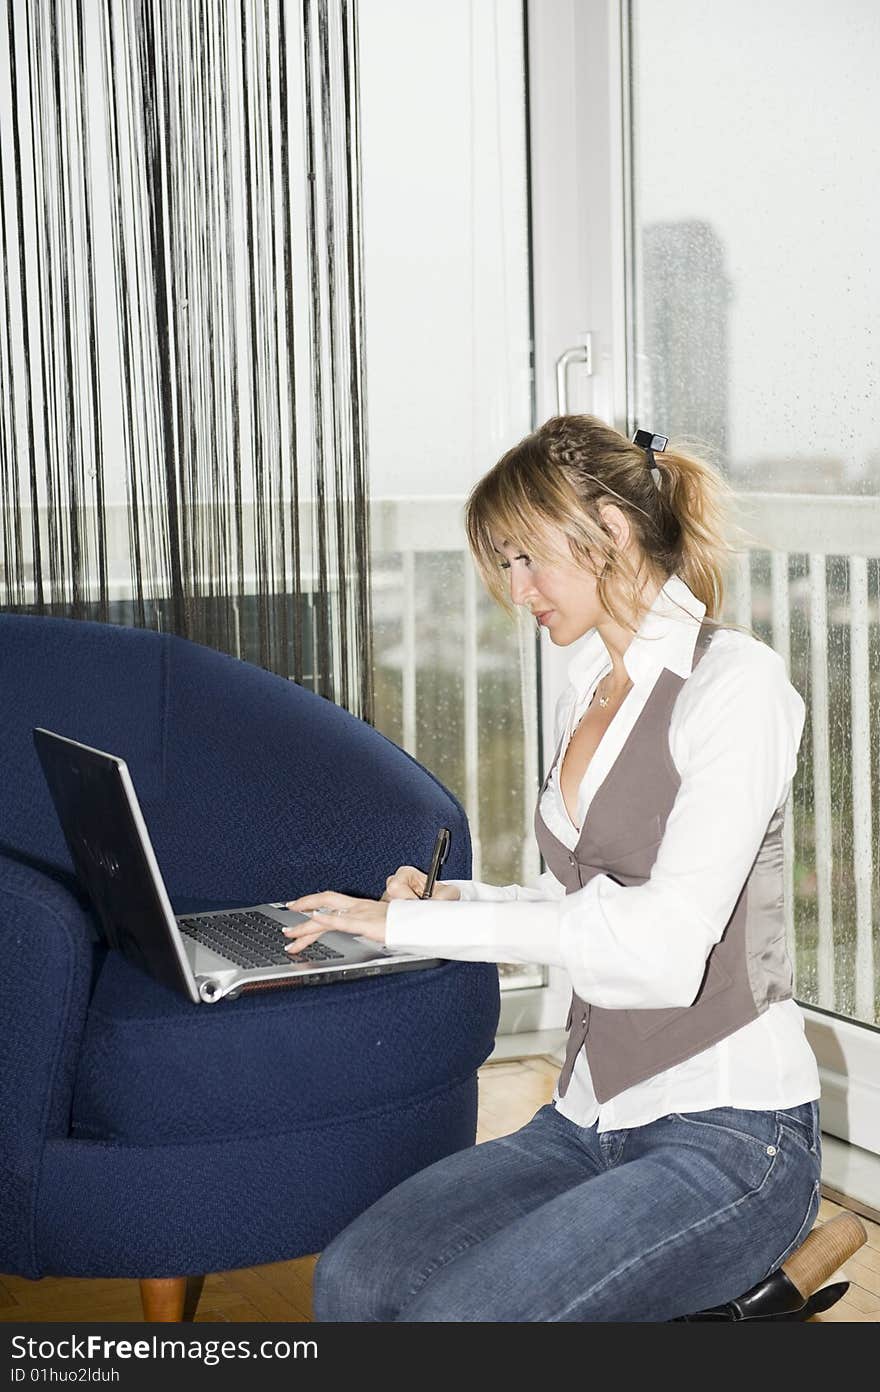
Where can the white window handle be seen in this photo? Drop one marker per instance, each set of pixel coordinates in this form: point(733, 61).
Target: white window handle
point(583, 353)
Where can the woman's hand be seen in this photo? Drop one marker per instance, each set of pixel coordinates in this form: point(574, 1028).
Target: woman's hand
point(362, 917)
point(408, 881)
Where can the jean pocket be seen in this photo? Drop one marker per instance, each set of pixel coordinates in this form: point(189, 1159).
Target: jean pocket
point(803, 1122)
point(759, 1127)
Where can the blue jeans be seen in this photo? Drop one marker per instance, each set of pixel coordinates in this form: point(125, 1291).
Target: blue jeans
point(557, 1222)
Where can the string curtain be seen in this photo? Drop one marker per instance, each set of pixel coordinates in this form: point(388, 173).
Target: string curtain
point(182, 382)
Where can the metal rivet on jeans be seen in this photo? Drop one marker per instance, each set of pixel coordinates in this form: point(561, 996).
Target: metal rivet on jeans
point(771, 1150)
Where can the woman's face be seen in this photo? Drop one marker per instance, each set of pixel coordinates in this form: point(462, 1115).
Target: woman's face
point(561, 594)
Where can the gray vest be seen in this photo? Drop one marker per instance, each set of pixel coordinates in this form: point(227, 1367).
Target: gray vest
point(746, 971)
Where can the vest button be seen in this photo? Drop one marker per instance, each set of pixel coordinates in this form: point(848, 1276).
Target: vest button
point(571, 860)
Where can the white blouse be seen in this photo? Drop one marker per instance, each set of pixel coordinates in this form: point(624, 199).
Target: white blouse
point(733, 736)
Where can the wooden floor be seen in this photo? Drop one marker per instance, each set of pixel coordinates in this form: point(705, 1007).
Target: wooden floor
point(510, 1093)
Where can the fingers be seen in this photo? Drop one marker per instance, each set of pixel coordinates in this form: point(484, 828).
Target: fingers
point(305, 941)
point(323, 909)
point(322, 921)
point(407, 882)
point(327, 899)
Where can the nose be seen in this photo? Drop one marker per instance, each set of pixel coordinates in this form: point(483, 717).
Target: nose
point(521, 582)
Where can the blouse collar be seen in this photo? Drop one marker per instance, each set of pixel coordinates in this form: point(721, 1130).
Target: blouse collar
point(666, 637)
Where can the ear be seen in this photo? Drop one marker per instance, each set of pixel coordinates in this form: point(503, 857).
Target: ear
point(617, 523)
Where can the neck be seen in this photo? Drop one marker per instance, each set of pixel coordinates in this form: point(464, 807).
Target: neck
point(617, 638)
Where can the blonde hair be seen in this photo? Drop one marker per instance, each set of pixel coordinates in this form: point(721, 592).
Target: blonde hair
point(560, 474)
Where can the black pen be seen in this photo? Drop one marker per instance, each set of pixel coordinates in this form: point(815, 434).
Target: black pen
point(441, 851)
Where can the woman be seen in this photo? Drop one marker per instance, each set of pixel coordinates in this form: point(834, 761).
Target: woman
point(678, 1163)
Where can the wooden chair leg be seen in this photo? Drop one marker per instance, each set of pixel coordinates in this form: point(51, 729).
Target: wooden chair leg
point(823, 1251)
point(163, 1300)
point(193, 1294)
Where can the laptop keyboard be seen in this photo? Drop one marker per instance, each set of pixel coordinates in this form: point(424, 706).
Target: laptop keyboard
point(251, 939)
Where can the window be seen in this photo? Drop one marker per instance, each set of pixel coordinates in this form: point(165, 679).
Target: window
point(449, 387)
point(701, 208)
point(755, 298)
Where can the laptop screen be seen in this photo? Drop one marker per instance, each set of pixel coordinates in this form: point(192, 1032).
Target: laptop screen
point(113, 856)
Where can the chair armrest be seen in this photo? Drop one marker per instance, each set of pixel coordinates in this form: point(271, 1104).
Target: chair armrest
point(46, 956)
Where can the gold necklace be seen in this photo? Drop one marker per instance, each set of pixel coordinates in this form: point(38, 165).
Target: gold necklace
point(604, 700)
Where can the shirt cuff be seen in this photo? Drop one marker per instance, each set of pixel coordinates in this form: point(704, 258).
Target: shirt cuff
point(546, 887)
point(466, 888)
point(476, 932)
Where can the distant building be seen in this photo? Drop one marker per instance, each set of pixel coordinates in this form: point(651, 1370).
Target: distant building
point(684, 356)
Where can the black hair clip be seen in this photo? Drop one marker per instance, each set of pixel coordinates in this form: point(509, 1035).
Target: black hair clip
point(650, 442)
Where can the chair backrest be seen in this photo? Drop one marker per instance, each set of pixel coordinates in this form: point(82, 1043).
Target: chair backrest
point(252, 787)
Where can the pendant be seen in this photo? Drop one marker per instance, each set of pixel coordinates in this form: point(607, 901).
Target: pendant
point(603, 701)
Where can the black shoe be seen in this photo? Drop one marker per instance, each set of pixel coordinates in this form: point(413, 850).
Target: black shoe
point(776, 1298)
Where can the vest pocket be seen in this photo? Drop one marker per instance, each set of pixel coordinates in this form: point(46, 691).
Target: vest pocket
point(648, 1022)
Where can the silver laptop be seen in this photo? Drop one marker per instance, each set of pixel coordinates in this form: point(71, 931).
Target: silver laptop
point(208, 956)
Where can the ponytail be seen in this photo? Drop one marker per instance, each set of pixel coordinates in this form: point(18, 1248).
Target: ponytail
point(694, 502)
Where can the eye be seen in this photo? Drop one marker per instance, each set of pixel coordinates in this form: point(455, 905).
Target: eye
point(505, 565)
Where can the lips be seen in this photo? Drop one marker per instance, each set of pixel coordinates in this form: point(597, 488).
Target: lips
point(543, 618)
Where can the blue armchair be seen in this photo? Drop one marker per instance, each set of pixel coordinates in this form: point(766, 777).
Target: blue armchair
point(142, 1135)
